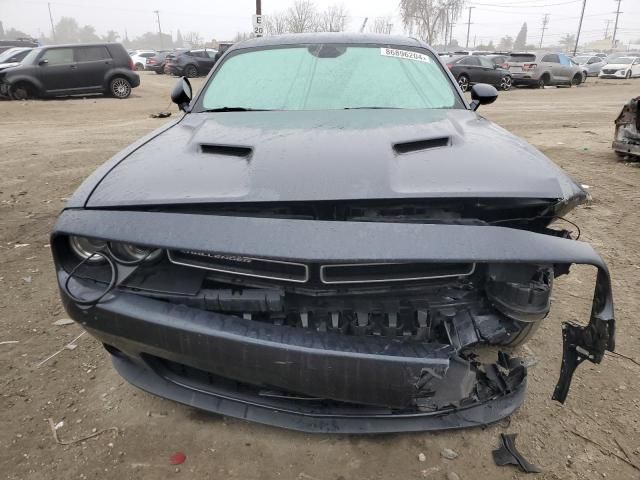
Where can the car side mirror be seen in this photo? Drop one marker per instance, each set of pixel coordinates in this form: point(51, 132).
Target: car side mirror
point(482, 94)
point(43, 62)
point(181, 94)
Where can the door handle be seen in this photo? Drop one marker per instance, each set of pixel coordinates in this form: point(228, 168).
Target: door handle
point(74, 67)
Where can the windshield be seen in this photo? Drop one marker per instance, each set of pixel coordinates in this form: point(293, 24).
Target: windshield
point(330, 77)
point(31, 56)
point(581, 60)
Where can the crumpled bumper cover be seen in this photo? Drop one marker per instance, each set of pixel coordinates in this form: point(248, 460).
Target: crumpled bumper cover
point(364, 371)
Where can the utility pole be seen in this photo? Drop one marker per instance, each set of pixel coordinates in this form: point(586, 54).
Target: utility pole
point(606, 32)
point(468, 27)
point(615, 27)
point(545, 22)
point(53, 29)
point(575, 49)
point(364, 24)
point(258, 7)
point(157, 12)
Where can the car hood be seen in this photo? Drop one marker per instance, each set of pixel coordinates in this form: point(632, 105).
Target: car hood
point(618, 66)
point(330, 155)
point(8, 65)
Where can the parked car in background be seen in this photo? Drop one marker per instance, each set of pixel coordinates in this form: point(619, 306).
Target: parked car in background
point(590, 64)
point(541, 69)
point(18, 42)
point(13, 57)
point(63, 70)
point(500, 60)
point(139, 58)
point(156, 62)
point(471, 69)
point(192, 63)
point(622, 67)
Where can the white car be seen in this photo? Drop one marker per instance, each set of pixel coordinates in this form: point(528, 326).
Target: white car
point(139, 58)
point(623, 67)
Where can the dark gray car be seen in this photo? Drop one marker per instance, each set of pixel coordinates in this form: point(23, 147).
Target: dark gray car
point(323, 240)
point(63, 70)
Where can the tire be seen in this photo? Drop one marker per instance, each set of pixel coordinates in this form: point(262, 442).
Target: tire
point(506, 83)
point(576, 80)
point(159, 72)
point(463, 81)
point(523, 336)
point(627, 75)
point(119, 87)
point(190, 71)
point(543, 81)
point(139, 67)
point(22, 91)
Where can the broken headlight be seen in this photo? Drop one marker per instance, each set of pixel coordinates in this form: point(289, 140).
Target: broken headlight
point(93, 250)
point(88, 248)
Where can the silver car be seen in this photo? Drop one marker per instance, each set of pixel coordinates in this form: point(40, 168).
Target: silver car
point(541, 69)
point(591, 64)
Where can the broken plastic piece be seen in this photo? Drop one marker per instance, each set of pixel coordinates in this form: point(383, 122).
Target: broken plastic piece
point(507, 454)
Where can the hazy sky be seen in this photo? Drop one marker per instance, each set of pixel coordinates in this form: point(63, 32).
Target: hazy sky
point(221, 19)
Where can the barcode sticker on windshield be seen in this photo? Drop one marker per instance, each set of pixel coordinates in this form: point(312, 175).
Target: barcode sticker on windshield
point(406, 54)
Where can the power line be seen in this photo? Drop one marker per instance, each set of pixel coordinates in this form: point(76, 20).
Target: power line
point(615, 27)
point(545, 22)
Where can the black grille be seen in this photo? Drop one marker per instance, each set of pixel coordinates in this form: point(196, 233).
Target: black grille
point(391, 272)
point(609, 71)
point(244, 266)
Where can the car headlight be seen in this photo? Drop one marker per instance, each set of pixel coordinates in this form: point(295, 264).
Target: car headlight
point(87, 248)
point(128, 253)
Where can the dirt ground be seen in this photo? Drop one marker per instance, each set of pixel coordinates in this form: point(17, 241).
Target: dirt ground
point(48, 147)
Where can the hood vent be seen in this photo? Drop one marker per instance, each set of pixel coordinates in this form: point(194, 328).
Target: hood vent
point(418, 145)
point(228, 150)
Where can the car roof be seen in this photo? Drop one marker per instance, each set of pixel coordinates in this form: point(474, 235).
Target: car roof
point(72, 45)
point(328, 37)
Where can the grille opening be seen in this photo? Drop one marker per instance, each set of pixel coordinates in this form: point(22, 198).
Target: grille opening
point(391, 272)
point(229, 150)
point(408, 147)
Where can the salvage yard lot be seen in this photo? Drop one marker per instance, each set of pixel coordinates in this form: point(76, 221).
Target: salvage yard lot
point(49, 147)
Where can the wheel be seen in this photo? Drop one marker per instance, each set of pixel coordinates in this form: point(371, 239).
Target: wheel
point(527, 330)
point(576, 80)
point(120, 87)
point(628, 75)
point(585, 75)
point(463, 81)
point(22, 91)
point(506, 83)
point(159, 72)
point(542, 82)
point(139, 66)
point(190, 71)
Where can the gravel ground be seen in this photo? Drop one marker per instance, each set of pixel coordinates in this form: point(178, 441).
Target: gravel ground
point(49, 147)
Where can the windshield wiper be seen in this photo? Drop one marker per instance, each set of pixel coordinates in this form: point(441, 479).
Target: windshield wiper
point(235, 109)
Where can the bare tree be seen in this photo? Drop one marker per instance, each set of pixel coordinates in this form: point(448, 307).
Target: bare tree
point(302, 17)
point(429, 18)
point(276, 23)
point(194, 39)
point(333, 19)
point(381, 25)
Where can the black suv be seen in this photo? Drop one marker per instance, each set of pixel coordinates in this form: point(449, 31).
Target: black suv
point(193, 63)
point(70, 70)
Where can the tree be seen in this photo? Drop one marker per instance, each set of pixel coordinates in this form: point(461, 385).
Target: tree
point(568, 41)
point(381, 25)
point(13, 34)
point(429, 18)
point(111, 36)
point(276, 23)
point(521, 39)
point(302, 17)
point(240, 36)
point(179, 40)
point(152, 40)
point(193, 39)
point(1, 30)
point(333, 19)
point(506, 43)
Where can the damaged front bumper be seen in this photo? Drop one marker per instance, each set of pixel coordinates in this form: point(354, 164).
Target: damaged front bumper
point(627, 134)
point(312, 380)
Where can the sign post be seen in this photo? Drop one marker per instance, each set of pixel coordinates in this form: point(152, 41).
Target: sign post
point(258, 26)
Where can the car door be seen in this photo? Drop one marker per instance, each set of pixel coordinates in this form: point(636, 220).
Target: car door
point(93, 62)
point(551, 63)
point(490, 72)
point(635, 68)
point(568, 68)
point(57, 69)
point(471, 68)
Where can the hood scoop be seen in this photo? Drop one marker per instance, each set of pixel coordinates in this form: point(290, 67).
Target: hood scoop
point(227, 150)
point(419, 145)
